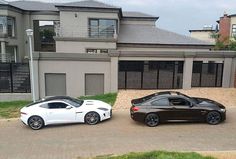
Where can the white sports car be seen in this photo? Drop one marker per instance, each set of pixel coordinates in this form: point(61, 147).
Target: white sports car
point(63, 109)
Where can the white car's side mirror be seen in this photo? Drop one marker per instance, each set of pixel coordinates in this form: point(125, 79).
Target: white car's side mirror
point(69, 107)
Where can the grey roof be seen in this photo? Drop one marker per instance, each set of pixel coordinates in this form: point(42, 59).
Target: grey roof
point(137, 14)
point(34, 5)
point(3, 2)
point(88, 4)
point(148, 34)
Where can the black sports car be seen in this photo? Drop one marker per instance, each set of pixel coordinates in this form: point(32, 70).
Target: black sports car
point(175, 106)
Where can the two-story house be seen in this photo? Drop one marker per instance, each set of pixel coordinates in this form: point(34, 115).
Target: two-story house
point(89, 47)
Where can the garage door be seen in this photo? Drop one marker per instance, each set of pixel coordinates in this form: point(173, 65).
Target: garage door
point(55, 84)
point(94, 84)
point(150, 74)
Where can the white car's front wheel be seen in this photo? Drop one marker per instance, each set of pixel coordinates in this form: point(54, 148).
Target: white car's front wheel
point(92, 118)
point(35, 122)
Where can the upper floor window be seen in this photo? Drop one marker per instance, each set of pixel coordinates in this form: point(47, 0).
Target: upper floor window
point(7, 26)
point(95, 51)
point(234, 30)
point(102, 28)
point(44, 31)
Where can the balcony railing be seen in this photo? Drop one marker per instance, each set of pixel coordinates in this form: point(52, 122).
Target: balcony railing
point(90, 32)
point(8, 58)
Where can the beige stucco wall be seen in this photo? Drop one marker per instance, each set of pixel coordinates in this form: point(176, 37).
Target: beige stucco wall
point(23, 22)
point(18, 40)
point(72, 26)
point(75, 74)
point(205, 36)
point(80, 47)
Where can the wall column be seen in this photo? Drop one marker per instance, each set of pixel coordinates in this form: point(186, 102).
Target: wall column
point(3, 51)
point(114, 70)
point(233, 74)
point(187, 73)
point(36, 75)
point(227, 72)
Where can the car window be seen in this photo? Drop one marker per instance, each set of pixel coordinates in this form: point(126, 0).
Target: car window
point(179, 102)
point(57, 105)
point(160, 102)
point(74, 102)
point(44, 105)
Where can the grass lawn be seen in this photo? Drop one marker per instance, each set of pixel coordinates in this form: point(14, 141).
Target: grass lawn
point(158, 155)
point(109, 98)
point(11, 109)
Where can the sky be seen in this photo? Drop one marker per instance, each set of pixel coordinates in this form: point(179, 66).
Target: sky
point(178, 16)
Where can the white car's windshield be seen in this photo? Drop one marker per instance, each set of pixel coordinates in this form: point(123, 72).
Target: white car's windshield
point(75, 102)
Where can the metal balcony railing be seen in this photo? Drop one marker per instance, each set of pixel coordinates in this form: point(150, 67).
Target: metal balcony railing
point(7, 58)
point(90, 32)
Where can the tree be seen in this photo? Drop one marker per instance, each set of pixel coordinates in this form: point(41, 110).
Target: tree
point(224, 44)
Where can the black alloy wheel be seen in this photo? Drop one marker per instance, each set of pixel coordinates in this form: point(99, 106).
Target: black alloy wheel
point(35, 122)
point(152, 120)
point(213, 118)
point(92, 118)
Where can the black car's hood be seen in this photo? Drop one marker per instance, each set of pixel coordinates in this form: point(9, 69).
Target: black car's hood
point(208, 102)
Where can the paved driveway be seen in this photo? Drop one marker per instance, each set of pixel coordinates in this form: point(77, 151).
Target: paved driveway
point(116, 136)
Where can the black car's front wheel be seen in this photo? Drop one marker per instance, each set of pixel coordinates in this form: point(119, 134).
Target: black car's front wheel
point(92, 118)
point(213, 118)
point(152, 120)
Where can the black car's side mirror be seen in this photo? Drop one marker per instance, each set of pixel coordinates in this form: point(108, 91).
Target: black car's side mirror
point(191, 105)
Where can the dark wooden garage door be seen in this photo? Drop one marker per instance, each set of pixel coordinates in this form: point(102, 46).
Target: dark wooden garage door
point(207, 74)
point(150, 74)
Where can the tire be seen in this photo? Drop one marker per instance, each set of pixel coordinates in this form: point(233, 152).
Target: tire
point(36, 122)
point(213, 118)
point(92, 118)
point(152, 120)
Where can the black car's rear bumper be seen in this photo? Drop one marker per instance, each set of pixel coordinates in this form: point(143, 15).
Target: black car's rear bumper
point(137, 116)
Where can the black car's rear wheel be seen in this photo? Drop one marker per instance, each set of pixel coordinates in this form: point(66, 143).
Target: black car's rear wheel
point(213, 118)
point(92, 118)
point(35, 122)
point(152, 120)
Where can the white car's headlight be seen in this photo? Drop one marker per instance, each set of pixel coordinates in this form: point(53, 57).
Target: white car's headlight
point(104, 109)
point(222, 110)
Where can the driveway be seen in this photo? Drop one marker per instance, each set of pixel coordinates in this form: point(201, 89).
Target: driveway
point(116, 136)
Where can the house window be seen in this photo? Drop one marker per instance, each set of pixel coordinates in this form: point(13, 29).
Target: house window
point(102, 28)
point(95, 51)
point(11, 52)
point(11, 27)
point(234, 30)
point(7, 26)
point(44, 31)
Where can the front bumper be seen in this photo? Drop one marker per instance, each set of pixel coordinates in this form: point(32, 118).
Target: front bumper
point(106, 115)
point(223, 116)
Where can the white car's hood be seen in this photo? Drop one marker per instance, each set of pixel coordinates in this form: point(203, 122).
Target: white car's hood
point(96, 104)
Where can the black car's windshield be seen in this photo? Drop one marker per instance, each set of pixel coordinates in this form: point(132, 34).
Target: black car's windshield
point(75, 102)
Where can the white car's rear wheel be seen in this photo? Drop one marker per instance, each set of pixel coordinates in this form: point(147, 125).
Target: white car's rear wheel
point(92, 118)
point(35, 122)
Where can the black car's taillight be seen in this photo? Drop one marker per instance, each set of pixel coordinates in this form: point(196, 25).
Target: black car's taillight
point(135, 108)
